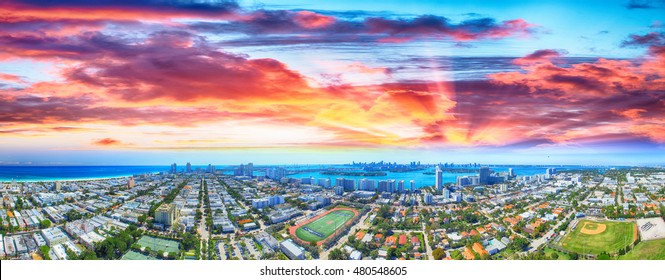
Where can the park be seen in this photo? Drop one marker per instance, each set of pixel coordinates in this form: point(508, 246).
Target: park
point(596, 237)
point(321, 227)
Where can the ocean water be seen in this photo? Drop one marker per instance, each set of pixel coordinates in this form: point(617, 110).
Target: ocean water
point(422, 180)
point(58, 173)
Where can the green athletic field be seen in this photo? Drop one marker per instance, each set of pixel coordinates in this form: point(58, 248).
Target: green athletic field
point(647, 250)
point(616, 235)
point(157, 244)
point(324, 226)
point(133, 256)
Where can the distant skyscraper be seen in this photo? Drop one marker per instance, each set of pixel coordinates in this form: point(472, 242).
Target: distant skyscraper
point(382, 186)
point(188, 169)
point(211, 168)
point(174, 168)
point(391, 186)
point(439, 178)
point(400, 186)
point(429, 198)
point(276, 173)
point(58, 186)
point(349, 185)
point(511, 172)
point(323, 182)
point(484, 175)
point(130, 183)
point(249, 170)
point(413, 185)
point(244, 170)
point(365, 184)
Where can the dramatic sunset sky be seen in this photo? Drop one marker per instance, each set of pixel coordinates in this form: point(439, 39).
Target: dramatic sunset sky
point(128, 82)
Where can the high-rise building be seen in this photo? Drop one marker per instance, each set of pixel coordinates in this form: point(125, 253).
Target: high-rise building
point(382, 186)
point(429, 198)
point(249, 170)
point(511, 172)
point(188, 169)
point(367, 185)
point(308, 181)
point(413, 185)
point(391, 186)
point(244, 170)
point(58, 186)
point(349, 185)
point(550, 172)
point(463, 181)
point(276, 173)
point(339, 190)
point(211, 168)
point(174, 168)
point(484, 175)
point(439, 178)
point(400, 186)
point(323, 182)
point(130, 183)
point(167, 214)
point(446, 193)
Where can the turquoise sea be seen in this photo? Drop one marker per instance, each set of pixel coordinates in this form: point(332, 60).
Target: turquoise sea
point(55, 173)
point(422, 180)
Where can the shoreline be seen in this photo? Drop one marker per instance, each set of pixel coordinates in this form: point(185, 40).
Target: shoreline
point(77, 179)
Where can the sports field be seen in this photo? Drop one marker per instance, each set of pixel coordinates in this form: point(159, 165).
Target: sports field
point(133, 256)
point(647, 250)
point(157, 244)
point(323, 226)
point(594, 237)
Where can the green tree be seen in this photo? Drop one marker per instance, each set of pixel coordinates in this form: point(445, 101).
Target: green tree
point(141, 219)
point(438, 254)
point(172, 255)
point(45, 223)
point(574, 256)
point(603, 256)
point(44, 251)
point(337, 254)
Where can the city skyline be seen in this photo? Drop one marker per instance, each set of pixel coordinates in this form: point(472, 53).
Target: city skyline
point(294, 82)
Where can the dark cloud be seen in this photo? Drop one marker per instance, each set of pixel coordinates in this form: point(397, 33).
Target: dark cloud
point(645, 4)
point(215, 6)
point(655, 41)
point(30, 109)
point(650, 39)
point(282, 27)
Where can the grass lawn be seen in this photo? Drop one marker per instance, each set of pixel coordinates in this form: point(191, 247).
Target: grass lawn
point(562, 256)
point(647, 250)
point(157, 244)
point(323, 227)
point(616, 235)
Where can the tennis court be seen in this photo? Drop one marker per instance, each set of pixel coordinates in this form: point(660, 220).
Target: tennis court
point(157, 244)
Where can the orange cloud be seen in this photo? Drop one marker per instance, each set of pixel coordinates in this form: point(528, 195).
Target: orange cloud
point(106, 142)
point(309, 19)
point(10, 78)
